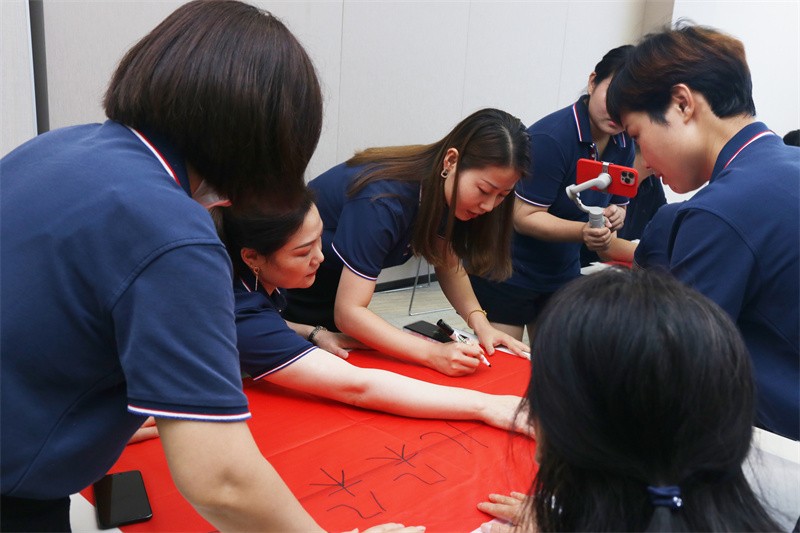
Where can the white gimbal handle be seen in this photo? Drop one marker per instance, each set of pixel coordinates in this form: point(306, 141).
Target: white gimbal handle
point(602, 181)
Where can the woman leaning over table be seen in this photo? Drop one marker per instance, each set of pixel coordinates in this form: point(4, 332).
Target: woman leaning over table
point(442, 201)
point(273, 248)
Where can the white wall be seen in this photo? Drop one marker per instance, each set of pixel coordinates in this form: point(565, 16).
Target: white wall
point(393, 72)
point(770, 31)
point(18, 121)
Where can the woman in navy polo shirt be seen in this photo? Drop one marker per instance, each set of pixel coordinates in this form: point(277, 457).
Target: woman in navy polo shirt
point(549, 226)
point(442, 201)
point(132, 312)
point(272, 248)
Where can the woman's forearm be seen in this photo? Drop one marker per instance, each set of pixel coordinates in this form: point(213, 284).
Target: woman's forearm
point(364, 325)
point(536, 221)
point(325, 375)
point(353, 317)
point(218, 468)
point(398, 394)
point(618, 250)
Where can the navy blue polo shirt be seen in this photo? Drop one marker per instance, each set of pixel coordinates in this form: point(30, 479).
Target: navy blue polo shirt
point(738, 242)
point(557, 142)
point(651, 252)
point(642, 208)
point(369, 231)
point(266, 343)
point(116, 304)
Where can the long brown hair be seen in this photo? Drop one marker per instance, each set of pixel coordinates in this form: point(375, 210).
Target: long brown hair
point(489, 137)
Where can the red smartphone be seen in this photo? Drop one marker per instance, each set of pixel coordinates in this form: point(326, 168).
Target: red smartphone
point(624, 180)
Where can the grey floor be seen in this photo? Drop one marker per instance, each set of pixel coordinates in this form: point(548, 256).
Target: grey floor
point(429, 304)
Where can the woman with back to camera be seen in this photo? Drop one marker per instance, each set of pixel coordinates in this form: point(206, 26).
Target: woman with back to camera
point(273, 248)
point(133, 284)
point(549, 227)
point(442, 201)
point(643, 402)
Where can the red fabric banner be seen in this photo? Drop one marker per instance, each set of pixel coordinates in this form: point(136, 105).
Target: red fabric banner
point(355, 468)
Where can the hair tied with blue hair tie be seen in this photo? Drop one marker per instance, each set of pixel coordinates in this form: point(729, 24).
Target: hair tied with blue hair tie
point(665, 497)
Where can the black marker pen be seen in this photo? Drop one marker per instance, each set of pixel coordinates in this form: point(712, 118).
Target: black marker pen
point(450, 332)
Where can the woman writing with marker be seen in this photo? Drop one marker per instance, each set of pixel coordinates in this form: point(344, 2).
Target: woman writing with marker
point(281, 247)
point(442, 201)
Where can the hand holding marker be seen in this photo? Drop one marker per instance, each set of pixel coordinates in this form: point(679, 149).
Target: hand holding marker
point(444, 326)
point(471, 337)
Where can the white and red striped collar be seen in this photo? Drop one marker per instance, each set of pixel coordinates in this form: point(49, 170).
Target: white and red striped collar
point(161, 158)
point(748, 143)
point(618, 139)
point(204, 195)
point(245, 285)
point(249, 287)
point(577, 121)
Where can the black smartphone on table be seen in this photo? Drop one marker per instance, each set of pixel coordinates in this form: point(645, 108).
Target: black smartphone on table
point(121, 499)
point(430, 331)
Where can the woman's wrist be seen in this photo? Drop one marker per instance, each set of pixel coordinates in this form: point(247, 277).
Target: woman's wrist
point(315, 332)
point(472, 314)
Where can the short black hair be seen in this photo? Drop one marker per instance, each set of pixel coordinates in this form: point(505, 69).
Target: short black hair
point(611, 62)
point(792, 138)
point(232, 88)
point(263, 226)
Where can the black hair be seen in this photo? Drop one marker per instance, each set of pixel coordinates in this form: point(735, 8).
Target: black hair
point(637, 381)
point(262, 226)
point(792, 138)
point(232, 88)
point(704, 59)
point(611, 62)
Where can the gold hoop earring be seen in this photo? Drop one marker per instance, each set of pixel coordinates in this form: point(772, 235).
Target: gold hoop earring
point(256, 271)
point(445, 173)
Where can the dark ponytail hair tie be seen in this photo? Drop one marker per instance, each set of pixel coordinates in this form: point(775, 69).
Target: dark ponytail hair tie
point(665, 496)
